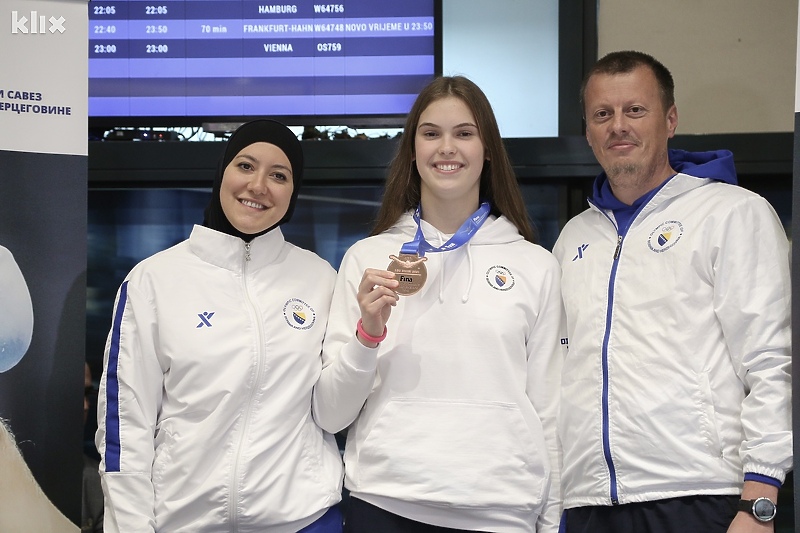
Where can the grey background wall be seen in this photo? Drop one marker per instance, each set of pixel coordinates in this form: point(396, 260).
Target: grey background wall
point(733, 60)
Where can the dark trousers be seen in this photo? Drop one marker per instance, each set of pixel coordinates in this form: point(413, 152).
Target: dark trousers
point(706, 514)
point(362, 517)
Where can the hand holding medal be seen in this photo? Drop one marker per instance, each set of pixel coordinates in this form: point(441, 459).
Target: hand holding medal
point(376, 296)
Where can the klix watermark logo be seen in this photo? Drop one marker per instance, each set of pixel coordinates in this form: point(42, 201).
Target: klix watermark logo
point(34, 23)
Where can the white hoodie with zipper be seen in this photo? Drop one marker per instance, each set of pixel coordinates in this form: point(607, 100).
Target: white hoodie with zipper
point(678, 376)
point(204, 422)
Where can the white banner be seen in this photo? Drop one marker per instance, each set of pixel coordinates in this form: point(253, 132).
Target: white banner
point(43, 221)
point(44, 76)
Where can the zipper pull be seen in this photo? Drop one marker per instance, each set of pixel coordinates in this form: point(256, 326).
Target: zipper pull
point(247, 251)
point(619, 247)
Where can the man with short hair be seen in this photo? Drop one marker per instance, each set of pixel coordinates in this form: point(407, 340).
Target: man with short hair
point(676, 391)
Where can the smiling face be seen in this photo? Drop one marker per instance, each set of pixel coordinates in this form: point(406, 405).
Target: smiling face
point(256, 188)
point(449, 153)
point(628, 129)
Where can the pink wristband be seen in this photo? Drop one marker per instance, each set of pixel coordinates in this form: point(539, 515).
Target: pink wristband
point(367, 336)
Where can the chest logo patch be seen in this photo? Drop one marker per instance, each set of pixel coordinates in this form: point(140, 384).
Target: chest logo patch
point(205, 318)
point(500, 278)
point(665, 236)
point(299, 314)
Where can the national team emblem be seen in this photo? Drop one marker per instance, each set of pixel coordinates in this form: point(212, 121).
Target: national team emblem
point(665, 236)
point(500, 278)
point(299, 314)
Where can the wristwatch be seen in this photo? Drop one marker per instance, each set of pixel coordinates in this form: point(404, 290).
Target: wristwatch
point(763, 509)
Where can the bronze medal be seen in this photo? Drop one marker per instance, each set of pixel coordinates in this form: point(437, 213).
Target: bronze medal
point(410, 271)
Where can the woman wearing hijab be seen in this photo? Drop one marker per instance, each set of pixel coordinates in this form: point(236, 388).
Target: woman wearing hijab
point(204, 415)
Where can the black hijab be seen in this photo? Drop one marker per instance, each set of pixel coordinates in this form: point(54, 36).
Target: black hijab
point(266, 131)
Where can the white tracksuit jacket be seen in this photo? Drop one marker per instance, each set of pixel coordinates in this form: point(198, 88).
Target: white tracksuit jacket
point(455, 416)
point(677, 378)
point(205, 401)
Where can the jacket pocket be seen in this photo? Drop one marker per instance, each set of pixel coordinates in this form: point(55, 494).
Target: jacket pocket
point(455, 453)
point(320, 457)
point(162, 457)
point(709, 427)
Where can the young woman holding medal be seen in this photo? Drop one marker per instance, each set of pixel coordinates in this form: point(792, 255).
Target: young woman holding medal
point(204, 415)
point(445, 364)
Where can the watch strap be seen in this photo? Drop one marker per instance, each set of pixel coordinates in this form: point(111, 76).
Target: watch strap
point(746, 505)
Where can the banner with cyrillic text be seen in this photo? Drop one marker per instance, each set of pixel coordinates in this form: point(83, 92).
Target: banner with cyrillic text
point(43, 189)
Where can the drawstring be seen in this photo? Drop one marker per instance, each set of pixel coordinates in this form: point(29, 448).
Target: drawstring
point(441, 269)
point(465, 297)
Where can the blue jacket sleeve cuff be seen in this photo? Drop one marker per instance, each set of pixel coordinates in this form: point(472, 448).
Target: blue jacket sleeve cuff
point(762, 479)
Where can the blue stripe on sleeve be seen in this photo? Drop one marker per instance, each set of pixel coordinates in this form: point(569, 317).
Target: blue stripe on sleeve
point(112, 451)
point(751, 476)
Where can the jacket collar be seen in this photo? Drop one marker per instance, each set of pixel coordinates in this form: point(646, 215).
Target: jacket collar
point(229, 252)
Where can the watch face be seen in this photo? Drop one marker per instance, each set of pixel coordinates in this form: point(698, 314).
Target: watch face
point(764, 509)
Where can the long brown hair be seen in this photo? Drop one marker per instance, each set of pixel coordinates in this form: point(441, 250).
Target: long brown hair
point(498, 182)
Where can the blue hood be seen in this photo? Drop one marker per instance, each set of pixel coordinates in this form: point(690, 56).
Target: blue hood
point(717, 165)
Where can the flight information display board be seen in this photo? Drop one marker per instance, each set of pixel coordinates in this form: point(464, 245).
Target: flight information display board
point(183, 62)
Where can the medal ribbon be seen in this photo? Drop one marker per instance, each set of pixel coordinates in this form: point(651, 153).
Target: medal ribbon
point(419, 246)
